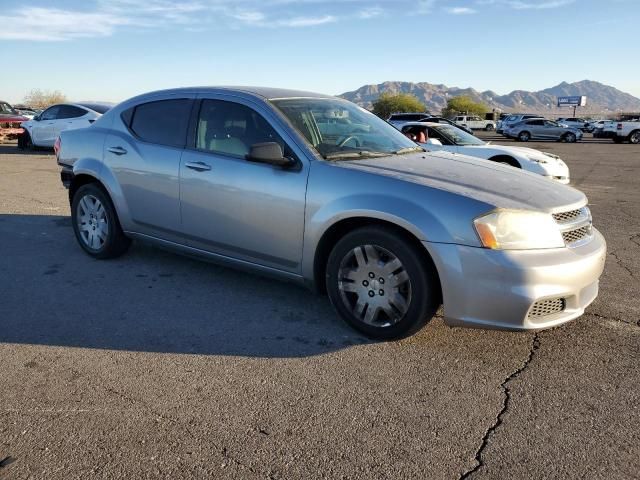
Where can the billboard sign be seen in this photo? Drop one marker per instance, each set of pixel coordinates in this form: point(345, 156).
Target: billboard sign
point(575, 101)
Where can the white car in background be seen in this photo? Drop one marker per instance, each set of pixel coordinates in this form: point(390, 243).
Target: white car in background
point(43, 129)
point(439, 136)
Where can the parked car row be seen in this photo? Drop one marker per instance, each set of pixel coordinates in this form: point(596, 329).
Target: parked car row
point(388, 228)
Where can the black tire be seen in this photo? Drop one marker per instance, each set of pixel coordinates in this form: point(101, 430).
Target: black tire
point(422, 285)
point(524, 136)
point(489, 128)
point(569, 138)
point(634, 137)
point(25, 142)
point(115, 242)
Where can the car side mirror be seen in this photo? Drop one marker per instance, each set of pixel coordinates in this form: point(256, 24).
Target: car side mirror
point(268, 152)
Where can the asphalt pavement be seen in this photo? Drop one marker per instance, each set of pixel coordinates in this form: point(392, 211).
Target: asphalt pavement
point(155, 365)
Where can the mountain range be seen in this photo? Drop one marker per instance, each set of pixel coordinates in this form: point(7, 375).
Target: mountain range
point(600, 98)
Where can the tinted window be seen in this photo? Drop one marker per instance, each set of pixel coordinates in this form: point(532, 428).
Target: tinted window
point(163, 122)
point(535, 122)
point(231, 128)
point(51, 113)
point(69, 111)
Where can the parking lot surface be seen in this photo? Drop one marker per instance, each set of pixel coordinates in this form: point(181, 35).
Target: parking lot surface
point(155, 365)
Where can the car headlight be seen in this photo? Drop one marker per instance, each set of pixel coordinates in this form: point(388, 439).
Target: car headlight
point(518, 230)
point(537, 159)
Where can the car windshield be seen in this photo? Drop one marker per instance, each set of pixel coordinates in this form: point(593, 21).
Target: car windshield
point(6, 108)
point(340, 130)
point(458, 136)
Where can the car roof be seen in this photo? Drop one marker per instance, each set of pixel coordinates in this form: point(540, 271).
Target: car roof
point(267, 93)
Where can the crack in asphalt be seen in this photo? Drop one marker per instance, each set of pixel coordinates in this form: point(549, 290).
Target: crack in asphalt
point(619, 262)
point(535, 344)
point(615, 319)
point(634, 237)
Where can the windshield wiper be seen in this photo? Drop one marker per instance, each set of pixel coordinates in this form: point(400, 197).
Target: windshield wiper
point(409, 150)
point(348, 155)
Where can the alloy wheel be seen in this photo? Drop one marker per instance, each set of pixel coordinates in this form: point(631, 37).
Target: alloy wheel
point(635, 138)
point(92, 222)
point(374, 285)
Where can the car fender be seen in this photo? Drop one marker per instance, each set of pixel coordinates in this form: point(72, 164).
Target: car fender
point(405, 214)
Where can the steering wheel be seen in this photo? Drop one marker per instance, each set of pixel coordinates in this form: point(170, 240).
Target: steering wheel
point(346, 140)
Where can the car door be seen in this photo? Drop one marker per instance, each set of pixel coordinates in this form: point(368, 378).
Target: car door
point(42, 130)
point(69, 117)
point(238, 208)
point(143, 152)
point(536, 128)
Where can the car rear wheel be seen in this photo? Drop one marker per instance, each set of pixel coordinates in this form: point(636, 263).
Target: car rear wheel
point(569, 137)
point(381, 284)
point(635, 137)
point(489, 128)
point(524, 136)
point(95, 223)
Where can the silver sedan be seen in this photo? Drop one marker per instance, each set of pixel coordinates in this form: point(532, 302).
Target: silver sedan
point(541, 129)
point(248, 178)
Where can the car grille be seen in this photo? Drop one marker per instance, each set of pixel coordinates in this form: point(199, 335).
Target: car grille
point(10, 124)
point(575, 226)
point(547, 307)
point(576, 235)
point(569, 216)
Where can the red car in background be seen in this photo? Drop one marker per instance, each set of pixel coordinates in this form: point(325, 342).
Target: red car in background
point(10, 122)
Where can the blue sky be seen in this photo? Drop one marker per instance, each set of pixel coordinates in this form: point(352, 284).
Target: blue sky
point(113, 49)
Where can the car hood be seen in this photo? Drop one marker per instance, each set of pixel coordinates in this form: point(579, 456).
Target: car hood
point(525, 151)
point(498, 185)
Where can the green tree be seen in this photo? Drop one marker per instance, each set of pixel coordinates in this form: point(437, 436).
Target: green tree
point(464, 104)
point(387, 103)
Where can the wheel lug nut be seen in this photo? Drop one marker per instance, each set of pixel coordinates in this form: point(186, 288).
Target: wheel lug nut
point(371, 275)
point(371, 293)
point(381, 280)
point(365, 283)
point(381, 292)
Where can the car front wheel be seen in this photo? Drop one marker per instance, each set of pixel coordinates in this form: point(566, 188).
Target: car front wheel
point(569, 137)
point(95, 223)
point(381, 284)
point(635, 137)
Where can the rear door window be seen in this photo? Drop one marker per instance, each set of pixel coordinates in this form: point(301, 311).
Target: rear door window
point(163, 122)
point(69, 111)
point(537, 123)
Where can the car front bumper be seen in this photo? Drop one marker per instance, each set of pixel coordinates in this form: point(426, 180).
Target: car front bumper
point(506, 288)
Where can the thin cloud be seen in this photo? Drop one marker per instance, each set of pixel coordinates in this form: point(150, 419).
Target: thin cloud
point(528, 5)
point(460, 11)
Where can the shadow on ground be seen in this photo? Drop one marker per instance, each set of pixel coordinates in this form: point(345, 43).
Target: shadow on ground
point(51, 293)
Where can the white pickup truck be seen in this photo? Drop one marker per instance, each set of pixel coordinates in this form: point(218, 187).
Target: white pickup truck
point(628, 131)
point(475, 123)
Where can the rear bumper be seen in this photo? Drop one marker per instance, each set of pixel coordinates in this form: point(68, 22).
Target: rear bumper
point(66, 175)
point(498, 289)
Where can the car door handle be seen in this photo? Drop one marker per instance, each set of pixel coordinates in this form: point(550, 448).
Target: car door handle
point(117, 150)
point(198, 166)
